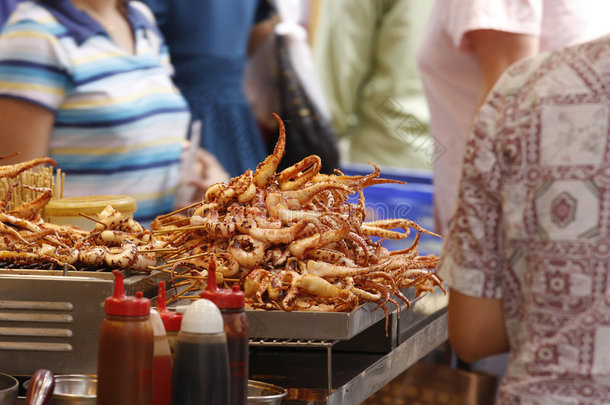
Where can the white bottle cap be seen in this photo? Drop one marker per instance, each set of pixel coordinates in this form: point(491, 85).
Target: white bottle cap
point(202, 316)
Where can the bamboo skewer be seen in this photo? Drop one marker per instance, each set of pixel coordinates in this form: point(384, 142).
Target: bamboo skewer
point(180, 210)
point(181, 229)
point(91, 218)
point(170, 263)
point(188, 257)
point(40, 177)
point(177, 221)
point(157, 250)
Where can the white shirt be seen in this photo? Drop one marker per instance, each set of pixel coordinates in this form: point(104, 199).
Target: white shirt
point(452, 78)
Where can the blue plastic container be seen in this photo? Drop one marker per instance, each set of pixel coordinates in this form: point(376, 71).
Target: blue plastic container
point(413, 201)
point(388, 172)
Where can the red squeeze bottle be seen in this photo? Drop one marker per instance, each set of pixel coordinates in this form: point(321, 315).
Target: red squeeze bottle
point(162, 362)
point(231, 304)
point(125, 354)
point(171, 319)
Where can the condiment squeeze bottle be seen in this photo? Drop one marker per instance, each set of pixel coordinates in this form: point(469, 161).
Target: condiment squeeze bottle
point(125, 354)
point(231, 304)
point(171, 319)
point(162, 362)
point(201, 369)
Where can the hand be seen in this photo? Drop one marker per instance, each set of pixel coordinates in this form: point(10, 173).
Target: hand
point(200, 170)
point(210, 171)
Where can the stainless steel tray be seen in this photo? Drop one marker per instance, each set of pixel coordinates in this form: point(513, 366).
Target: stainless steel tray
point(51, 320)
point(319, 325)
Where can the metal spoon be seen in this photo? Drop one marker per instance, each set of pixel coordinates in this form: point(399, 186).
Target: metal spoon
point(41, 388)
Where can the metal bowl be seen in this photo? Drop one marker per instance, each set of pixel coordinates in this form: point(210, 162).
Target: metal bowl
point(8, 389)
point(72, 389)
point(263, 393)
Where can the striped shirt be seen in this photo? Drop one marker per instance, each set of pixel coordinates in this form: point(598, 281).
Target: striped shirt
point(119, 120)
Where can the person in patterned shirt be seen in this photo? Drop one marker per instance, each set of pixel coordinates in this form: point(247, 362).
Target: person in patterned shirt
point(527, 255)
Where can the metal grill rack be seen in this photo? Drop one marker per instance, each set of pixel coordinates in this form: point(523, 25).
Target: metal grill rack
point(302, 344)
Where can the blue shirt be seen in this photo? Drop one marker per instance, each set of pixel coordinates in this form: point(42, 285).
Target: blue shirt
point(6, 8)
point(208, 41)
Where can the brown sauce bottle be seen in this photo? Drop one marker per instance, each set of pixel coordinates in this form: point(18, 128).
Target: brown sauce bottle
point(125, 353)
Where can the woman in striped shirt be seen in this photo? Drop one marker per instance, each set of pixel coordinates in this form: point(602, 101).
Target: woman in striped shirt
point(88, 82)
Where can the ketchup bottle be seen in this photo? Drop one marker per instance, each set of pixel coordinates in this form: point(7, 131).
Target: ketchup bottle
point(231, 304)
point(171, 319)
point(162, 362)
point(125, 354)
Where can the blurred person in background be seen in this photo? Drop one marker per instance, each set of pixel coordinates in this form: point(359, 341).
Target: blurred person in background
point(527, 253)
point(281, 78)
point(209, 42)
point(364, 53)
point(87, 82)
point(467, 45)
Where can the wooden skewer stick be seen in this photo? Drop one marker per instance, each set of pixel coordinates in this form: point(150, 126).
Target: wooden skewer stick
point(181, 229)
point(58, 184)
point(91, 218)
point(188, 257)
point(181, 296)
point(177, 221)
point(190, 277)
point(181, 283)
point(157, 250)
point(180, 210)
point(172, 256)
point(161, 267)
point(180, 249)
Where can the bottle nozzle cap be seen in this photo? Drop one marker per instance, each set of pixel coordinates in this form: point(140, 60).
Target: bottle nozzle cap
point(222, 297)
point(161, 297)
point(120, 304)
point(212, 276)
point(171, 320)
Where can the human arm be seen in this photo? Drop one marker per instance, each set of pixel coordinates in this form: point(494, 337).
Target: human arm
point(26, 129)
point(473, 260)
point(34, 78)
point(495, 51)
point(476, 326)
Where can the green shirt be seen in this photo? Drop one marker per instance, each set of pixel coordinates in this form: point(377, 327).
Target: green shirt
point(368, 71)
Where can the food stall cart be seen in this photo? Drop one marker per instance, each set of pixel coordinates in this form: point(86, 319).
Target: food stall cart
point(50, 319)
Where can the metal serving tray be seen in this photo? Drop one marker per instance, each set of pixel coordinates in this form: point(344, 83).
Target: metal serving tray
point(319, 325)
point(50, 319)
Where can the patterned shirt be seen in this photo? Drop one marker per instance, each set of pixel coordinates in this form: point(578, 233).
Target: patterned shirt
point(532, 225)
point(119, 120)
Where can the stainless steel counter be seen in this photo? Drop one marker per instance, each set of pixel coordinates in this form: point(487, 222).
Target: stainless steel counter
point(349, 371)
point(51, 320)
